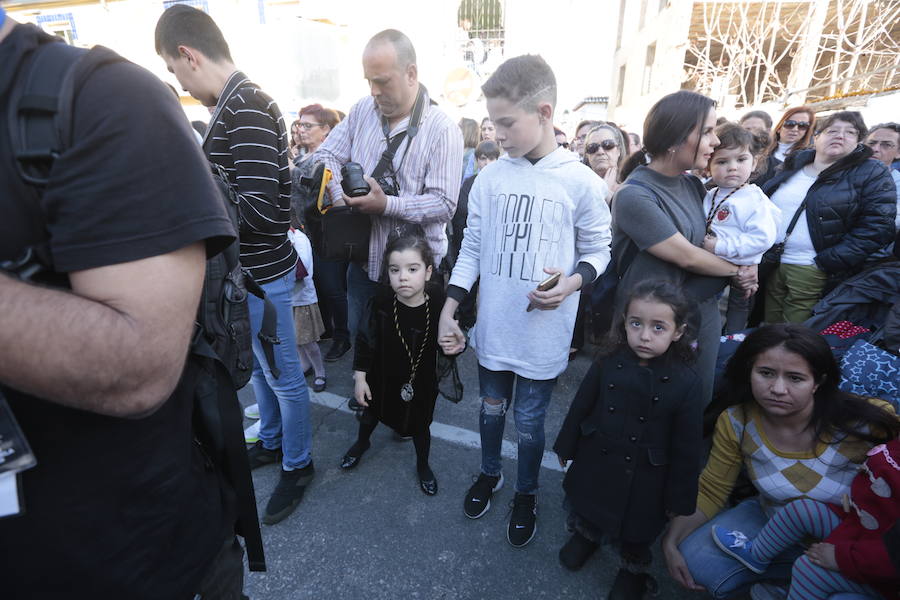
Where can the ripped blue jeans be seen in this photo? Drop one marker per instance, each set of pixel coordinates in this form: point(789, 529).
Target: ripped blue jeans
point(529, 399)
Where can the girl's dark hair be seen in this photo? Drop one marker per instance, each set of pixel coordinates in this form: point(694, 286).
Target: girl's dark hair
point(406, 242)
point(836, 414)
point(654, 291)
point(788, 115)
point(731, 135)
point(669, 123)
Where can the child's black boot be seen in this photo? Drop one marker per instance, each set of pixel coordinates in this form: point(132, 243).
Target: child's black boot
point(633, 586)
point(576, 551)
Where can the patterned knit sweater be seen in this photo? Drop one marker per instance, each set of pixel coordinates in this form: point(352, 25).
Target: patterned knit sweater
point(779, 477)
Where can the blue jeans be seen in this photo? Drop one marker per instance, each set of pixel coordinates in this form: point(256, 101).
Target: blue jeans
point(283, 402)
point(721, 575)
point(330, 277)
point(360, 289)
point(529, 409)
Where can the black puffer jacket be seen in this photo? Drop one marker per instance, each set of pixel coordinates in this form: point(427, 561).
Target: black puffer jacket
point(850, 208)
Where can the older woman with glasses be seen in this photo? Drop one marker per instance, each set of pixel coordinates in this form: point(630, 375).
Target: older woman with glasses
point(838, 211)
point(792, 134)
point(604, 151)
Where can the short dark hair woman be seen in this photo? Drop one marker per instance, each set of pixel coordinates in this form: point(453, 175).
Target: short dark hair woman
point(796, 433)
point(846, 205)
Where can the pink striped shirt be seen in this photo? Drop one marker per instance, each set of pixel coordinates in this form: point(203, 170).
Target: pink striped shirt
point(428, 176)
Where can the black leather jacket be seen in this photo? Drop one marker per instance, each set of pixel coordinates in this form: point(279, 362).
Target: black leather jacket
point(850, 208)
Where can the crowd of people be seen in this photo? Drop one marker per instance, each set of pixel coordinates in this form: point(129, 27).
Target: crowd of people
point(406, 238)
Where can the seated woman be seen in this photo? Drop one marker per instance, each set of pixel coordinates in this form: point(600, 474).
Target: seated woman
point(797, 434)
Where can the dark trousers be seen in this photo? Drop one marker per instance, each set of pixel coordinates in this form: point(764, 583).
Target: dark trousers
point(330, 277)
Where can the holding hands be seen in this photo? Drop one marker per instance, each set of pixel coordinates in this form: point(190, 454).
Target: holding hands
point(451, 339)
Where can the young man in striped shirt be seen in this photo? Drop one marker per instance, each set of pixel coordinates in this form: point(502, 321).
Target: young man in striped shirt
point(246, 136)
point(426, 169)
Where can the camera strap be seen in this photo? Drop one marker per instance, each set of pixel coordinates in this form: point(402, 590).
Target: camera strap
point(386, 161)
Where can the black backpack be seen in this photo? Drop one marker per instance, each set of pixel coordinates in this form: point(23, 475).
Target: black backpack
point(39, 119)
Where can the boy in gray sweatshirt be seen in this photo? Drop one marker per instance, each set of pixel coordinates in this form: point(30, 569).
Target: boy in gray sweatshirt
point(535, 212)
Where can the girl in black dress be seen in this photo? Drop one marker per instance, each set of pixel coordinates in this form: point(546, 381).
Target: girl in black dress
point(395, 364)
point(633, 434)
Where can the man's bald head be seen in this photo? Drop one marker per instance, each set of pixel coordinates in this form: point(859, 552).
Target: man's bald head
point(406, 54)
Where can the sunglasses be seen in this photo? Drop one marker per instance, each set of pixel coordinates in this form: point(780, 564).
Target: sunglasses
point(563, 145)
point(605, 144)
point(791, 124)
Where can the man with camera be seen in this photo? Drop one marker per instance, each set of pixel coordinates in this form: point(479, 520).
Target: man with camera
point(417, 183)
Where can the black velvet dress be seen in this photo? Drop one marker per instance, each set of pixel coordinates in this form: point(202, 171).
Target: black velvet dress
point(380, 353)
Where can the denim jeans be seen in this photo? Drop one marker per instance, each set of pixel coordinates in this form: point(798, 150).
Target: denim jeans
point(283, 402)
point(721, 575)
point(360, 289)
point(529, 409)
point(330, 277)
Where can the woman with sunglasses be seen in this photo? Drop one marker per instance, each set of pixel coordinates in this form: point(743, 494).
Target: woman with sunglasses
point(843, 206)
point(792, 134)
point(604, 151)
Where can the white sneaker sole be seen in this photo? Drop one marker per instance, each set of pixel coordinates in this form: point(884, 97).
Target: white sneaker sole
point(251, 434)
point(252, 411)
point(526, 542)
point(487, 505)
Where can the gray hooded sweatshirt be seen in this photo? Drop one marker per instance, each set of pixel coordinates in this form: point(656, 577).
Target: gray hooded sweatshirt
point(524, 217)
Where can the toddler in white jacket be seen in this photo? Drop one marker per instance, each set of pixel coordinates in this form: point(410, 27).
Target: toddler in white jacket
point(741, 221)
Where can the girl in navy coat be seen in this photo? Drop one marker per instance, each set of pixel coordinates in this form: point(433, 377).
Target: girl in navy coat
point(633, 434)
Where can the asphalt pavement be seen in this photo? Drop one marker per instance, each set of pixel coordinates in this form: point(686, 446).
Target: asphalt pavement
point(372, 534)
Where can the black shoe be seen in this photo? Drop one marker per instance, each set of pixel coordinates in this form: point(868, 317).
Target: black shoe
point(576, 551)
point(427, 481)
point(353, 456)
point(632, 586)
point(288, 493)
point(478, 498)
point(337, 350)
point(326, 335)
point(258, 455)
point(523, 520)
point(319, 384)
point(401, 438)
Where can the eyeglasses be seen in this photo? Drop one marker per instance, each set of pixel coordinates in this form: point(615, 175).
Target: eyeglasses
point(563, 145)
point(605, 144)
point(886, 144)
point(308, 126)
point(791, 124)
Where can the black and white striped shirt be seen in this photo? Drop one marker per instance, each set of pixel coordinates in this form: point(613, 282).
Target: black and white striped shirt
point(247, 138)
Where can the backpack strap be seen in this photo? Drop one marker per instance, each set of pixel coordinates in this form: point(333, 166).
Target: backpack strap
point(223, 419)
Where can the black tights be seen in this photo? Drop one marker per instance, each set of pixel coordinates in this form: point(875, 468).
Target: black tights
point(421, 440)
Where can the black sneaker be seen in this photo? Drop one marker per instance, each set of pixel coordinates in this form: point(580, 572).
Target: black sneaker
point(337, 350)
point(258, 455)
point(288, 493)
point(522, 525)
point(478, 498)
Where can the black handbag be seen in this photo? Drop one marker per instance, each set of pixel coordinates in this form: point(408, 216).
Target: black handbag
point(345, 234)
point(772, 258)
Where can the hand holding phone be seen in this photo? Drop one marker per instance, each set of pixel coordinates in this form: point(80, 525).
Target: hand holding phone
point(547, 284)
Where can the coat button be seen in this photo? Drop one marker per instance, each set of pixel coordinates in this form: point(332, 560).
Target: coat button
point(619, 366)
point(664, 379)
point(611, 386)
point(633, 438)
point(656, 398)
point(642, 419)
point(612, 409)
point(627, 458)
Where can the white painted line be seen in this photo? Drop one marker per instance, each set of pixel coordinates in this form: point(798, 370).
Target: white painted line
point(442, 431)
